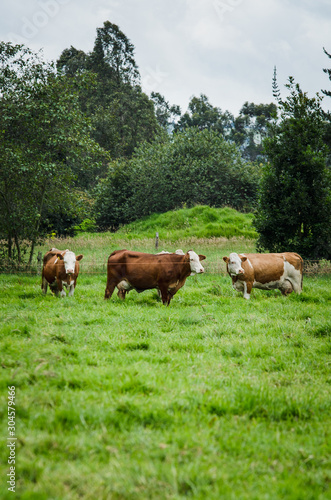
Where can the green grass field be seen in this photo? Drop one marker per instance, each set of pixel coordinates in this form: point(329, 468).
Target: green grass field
point(213, 397)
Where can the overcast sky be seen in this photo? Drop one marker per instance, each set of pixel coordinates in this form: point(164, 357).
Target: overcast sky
point(226, 49)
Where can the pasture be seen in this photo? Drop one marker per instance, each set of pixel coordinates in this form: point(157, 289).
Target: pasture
point(213, 397)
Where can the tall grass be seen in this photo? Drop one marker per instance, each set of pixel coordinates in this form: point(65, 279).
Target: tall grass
point(198, 222)
point(212, 397)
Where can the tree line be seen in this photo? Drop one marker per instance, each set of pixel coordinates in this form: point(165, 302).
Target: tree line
point(84, 148)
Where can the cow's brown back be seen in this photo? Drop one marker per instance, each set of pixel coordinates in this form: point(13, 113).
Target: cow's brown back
point(144, 271)
point(269, 266)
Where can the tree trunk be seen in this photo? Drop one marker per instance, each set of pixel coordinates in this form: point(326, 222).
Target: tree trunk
point(9, 246)
point(31, 252)
point(18, 248)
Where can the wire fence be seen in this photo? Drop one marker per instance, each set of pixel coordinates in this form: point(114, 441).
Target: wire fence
point(310, 267)
point(316, 267)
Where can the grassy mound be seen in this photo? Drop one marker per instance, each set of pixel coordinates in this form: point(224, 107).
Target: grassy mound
point(203, 228)
point(200, 222)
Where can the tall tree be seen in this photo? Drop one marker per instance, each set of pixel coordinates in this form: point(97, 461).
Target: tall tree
point(121, 114)
point(203, 115)
point(124, 123)
point(294, 210)
point(113, 56)
point(72, 62)
point(327, 135)
point(44, 137)
point(251, 127)
point(165, 113)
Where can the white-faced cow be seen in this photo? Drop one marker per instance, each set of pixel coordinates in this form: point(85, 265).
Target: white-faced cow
point(60, 269)
point(268, 271)
point(143, 271)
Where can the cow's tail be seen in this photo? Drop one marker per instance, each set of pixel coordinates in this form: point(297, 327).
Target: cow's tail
point(300, 269)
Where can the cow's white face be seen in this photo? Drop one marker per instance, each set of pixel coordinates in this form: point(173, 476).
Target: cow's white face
point(69, 260)
point(235, 264)
point(195, 264)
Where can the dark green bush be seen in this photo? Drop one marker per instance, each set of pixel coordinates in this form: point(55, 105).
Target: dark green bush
point(193, 167)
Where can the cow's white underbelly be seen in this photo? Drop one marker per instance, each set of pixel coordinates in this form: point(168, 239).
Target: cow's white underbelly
point(124, 285)
point(290, 277)
point(272, 285)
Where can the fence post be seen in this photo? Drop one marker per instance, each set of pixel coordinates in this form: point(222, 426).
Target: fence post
point(157, 241)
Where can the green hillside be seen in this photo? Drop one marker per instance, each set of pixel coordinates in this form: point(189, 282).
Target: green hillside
point(201, 226)
point(200, 222)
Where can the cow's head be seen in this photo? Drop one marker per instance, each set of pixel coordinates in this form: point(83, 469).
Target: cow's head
point(234, 262)
point(69, 260)
point(194, 261)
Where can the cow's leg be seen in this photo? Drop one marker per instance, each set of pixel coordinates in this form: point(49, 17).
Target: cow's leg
point(164, 295)
point(44, 285)
point(72, 287)
point(60, 289)
point(173, 291)
point(110, 287)
point(247, 289)
point(170, 295)
point(121, 294)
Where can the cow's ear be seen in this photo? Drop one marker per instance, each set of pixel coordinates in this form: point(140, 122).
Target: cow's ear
point(243, 259)
point(226, 259)
point(79, 257)
point(59, 256)
point(202, 257)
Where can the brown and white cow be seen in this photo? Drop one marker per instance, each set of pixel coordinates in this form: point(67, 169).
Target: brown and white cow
point(267, 271)
point(60, 269)
point(144, 271)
